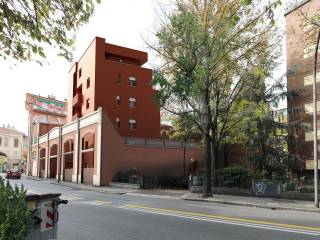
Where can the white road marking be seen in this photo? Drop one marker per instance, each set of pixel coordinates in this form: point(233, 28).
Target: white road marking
point(97, 202)
point(71, 198)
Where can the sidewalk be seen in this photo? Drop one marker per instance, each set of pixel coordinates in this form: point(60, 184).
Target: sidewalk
point(258, 202)
point(106, 189)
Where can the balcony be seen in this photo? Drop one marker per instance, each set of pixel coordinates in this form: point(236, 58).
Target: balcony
point(77, 100)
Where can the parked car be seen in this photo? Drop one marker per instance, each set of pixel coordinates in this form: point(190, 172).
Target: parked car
point(13, 173)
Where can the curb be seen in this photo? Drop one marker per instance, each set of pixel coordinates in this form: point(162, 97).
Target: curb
point(253, 205)
point(79, 187)
point(90, 189)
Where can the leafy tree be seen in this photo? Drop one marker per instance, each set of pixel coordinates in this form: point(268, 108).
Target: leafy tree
point(26, 26)
point(15, 217)
point(184, 130)
point(208, 49)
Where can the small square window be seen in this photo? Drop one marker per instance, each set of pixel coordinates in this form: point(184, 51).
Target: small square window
point(132, 124)
point(88, 82)
point(118, 101)
point(80, 72)
point(117, 123)
point(132, 81)
point(87, 103)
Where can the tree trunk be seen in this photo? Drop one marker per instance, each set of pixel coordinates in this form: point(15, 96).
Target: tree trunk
point(184, 157)
point(225, 156)
point(207, 189)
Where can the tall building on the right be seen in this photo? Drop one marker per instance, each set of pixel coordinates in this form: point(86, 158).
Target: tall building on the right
point(300, 45)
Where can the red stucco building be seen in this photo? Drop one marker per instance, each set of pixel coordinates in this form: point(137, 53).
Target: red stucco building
point(113, 78)
point(113, 123)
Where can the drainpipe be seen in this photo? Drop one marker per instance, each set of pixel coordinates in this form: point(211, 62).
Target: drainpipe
point(315, 129)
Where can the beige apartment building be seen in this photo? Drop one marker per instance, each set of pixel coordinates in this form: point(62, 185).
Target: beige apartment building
point(12, 153)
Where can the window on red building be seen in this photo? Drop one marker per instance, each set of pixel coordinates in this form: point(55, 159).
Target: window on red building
point(132, 124)
point(118, 101)
point(88, 82)
point(132, 81)
point(117, 123)
point(88, 103)
point(80, 72)
point(132, 102)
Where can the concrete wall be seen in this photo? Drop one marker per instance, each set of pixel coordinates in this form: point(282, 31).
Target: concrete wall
point(67, 176)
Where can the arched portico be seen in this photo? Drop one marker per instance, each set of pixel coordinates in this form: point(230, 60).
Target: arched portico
point(53, 161)
point(42, 158)
point(3, 161)
point(68, 155)
point(87, 157)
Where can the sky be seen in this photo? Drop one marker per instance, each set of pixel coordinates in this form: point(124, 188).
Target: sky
point(122, 22)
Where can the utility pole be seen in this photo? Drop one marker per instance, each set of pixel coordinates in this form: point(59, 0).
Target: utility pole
point(315, 137)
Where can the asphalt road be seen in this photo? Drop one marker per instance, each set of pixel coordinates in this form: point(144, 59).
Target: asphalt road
point(92, 215)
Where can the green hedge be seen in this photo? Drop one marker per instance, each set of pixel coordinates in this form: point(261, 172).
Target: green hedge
point(307, 189)
point(15, 217)
point(123, 176)
point(173, 182)
point(235, 176)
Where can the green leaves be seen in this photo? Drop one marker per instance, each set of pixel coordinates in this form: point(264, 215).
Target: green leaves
point(246, 2)
point(26, 27)
point(15, 217)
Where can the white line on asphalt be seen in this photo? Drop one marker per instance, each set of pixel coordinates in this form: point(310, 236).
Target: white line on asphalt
point(216, 220)
point(71, 198)
point(151, 195)
point(97, 202)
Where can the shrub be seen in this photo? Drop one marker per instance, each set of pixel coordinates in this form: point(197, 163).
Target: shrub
point(173, 182)
point(233, 177)
point(15, 217)
point(307, 189)
point(124, 176)
point(230, 177)
point(121, 176)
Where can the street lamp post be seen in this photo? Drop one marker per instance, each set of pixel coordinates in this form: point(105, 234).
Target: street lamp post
point(315, 137)
point(60, 145)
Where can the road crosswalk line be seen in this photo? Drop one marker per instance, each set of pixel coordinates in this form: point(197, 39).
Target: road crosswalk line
point(98, 202)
